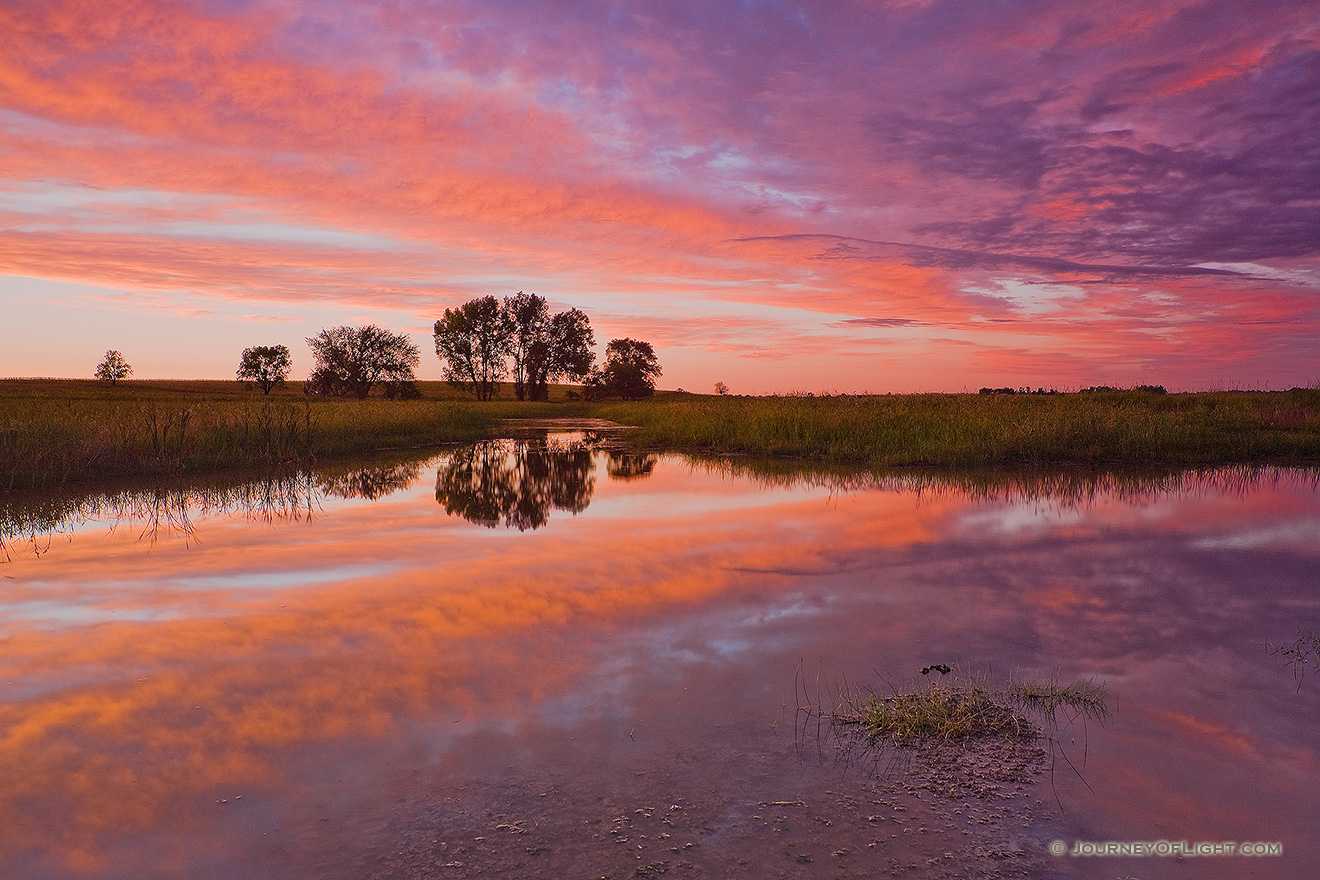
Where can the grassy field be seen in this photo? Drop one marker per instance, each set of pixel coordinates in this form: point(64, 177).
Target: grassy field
point(54, 432)
point(972, 430)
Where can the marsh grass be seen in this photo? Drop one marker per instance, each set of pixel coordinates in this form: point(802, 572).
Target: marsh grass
point(54, 432)
point(1084, 698)
point(939, 719)
point(936, 711)
point(960, 708)
point(972, 430)
point(1301, 655)
point(71, 433)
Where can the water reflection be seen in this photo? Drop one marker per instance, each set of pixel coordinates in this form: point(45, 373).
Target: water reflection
point(156, 512)
point(386, 687)
point(516, 483)
point(1301, 655)
point(630, 465)
point(371, 482)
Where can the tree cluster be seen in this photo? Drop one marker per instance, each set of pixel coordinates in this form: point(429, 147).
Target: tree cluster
point(350, 361)
point(478, 340)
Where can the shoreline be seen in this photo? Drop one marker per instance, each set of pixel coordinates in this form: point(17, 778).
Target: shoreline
point(69, 432)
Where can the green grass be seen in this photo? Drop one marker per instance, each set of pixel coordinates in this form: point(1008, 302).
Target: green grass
point(970, 430)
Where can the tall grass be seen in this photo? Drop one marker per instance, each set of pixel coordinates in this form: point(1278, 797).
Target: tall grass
point(54, 432)
point(53, 439)
point(963, 430)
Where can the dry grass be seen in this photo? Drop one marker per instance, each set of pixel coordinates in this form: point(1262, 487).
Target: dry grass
point(972, 430)
point(55, 433)
point(936, 711)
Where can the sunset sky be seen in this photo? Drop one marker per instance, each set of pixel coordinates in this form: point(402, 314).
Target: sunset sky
point(831, 195)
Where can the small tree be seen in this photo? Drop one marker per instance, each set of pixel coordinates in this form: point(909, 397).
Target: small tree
point(721, 389)
point(473, 340)
point(113, 367)
point(350, 360)
point(266, 365)
point(630, 371)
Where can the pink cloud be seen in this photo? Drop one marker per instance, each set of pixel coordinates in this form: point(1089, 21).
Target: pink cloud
point(414, 156)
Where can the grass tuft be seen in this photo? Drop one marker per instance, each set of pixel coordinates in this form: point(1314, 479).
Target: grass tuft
point(937, 711)
point(960, 710)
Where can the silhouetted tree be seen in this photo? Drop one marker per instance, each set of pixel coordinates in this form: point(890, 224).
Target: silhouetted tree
point(473, 340)
point(564, 351)
point(113, 367)
point(721, 389)
point(530, 318)
point(630, 371)
point(350, 360)
point(266, 365)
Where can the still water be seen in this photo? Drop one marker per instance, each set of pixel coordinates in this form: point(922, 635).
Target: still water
point(545, 658)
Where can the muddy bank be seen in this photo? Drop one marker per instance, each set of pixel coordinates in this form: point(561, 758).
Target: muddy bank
point(940, 811)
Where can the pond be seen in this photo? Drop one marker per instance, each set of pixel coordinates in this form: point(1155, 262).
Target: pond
point(547, 657)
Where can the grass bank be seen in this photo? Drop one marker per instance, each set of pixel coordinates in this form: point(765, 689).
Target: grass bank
point(55, 433)
point(972, 430)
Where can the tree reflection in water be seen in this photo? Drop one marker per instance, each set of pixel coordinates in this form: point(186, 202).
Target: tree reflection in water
point(372, 483)
point(630, 465)
point(516, 483)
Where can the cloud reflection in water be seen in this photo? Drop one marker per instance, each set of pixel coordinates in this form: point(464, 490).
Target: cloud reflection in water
point(255, 655)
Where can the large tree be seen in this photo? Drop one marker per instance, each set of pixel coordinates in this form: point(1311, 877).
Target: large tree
point(563, 351)
point(266, 365)
point(630, 370)
point(473, 340)
point(113, 367)
point(350, 360)
point(530, 318)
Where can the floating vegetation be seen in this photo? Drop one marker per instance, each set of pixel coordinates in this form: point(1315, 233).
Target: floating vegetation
point(1301, 654)
point(1083, 698)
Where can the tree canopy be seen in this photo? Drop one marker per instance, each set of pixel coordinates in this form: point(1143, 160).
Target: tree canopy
point(351, 360)
point(265, 365)
point(630, 370)
point(476, 339)
point(113, 367)
point(529, 317)
point(563, 351)
point(473, 340)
